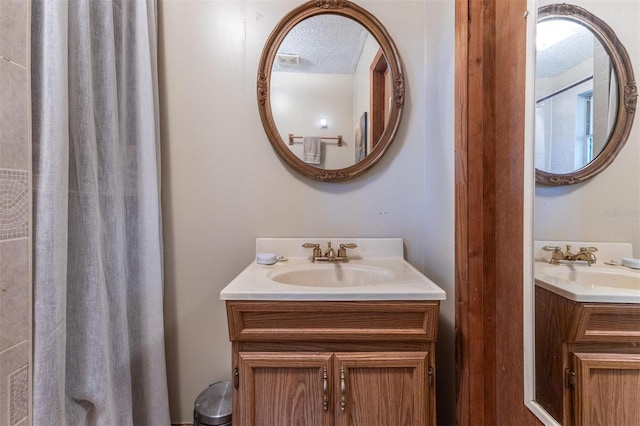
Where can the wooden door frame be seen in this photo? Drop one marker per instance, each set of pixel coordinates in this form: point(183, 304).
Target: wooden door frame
point(489, 198)
point(378, 71)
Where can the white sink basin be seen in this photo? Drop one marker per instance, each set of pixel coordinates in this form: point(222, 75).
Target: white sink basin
point(619, 279)
point(332, 275)
point(376, 271)
point(597, 283)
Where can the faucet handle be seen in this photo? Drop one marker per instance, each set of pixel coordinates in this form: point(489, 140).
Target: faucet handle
point(551, 248)
point(557, 254)
point(588, 249)
point(342, 251)
point(317, 252)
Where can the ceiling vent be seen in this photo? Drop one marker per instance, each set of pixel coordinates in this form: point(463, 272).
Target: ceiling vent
point(288, 59)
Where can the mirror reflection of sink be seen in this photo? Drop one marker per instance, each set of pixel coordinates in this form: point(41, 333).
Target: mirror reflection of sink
point(598, 277)
point(597, 283)
point(332, 275)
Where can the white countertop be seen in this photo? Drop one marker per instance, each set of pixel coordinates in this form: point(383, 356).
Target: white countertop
point(596, 283)
point(254, 282)
point(600, 282)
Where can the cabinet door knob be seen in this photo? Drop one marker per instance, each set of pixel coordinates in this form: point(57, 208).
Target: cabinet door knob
point(325, 390)
point(343, 390)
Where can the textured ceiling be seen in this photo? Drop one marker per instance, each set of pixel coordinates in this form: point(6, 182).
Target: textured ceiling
point(326, 44)
point(566, 54)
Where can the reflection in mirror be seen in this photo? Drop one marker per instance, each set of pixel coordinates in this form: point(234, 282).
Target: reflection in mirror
point(330, 90)
point(576, 96)
point(585, 99)
point(322, 72)
point(585, 95)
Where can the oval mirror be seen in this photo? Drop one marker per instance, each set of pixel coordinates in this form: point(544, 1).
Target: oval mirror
point(330, 90)
point(585, 95)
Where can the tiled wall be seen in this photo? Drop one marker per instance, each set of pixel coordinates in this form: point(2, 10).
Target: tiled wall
point(14, 213)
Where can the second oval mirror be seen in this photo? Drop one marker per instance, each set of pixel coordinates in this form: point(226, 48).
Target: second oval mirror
point(585, 95)
point(330, 90)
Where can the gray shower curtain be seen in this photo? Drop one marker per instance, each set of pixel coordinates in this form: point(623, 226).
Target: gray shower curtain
point(98, 285)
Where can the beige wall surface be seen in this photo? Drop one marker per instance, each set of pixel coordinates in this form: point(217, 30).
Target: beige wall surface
point(15, 164)
point(223, 184)
point(294, 113)
point(605, 208)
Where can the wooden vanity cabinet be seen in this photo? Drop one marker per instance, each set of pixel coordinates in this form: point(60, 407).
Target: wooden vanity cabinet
point(606, 389)
point(587, 360)
point(333, 363)
point(282, 388)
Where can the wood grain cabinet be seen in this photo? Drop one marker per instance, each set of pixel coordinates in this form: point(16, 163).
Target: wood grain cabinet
point(333, 363)
point(587, 360)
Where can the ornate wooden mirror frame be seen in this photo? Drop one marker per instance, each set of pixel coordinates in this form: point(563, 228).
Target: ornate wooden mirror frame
point(375, 28)
point(627, 92)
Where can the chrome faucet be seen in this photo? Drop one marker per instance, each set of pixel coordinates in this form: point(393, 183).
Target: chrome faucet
point(330, 254)
point(585, 254)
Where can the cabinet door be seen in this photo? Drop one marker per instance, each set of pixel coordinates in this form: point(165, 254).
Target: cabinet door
point(607, 389)
point(277, 389)
point(382, 388)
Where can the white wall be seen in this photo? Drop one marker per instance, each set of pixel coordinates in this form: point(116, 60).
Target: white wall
point(606, 207)
point(223, 184)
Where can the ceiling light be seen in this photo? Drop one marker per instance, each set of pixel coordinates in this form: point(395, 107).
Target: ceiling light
point(288, 59)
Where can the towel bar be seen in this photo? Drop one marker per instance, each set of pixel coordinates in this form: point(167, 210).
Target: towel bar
point(292, 137)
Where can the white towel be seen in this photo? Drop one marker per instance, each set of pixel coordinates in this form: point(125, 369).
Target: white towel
point(311, 150)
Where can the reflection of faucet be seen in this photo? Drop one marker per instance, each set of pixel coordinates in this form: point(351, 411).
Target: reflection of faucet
point(330, 254)
point(585, 254)
point(556, 256)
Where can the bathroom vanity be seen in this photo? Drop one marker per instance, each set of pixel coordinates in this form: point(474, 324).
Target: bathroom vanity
point(355, 349)
point(587, 360)
point(587, 343)
point(333, 363)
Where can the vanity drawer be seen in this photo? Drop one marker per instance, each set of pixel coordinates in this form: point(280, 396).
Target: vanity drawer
point(606, 323)
point(332, 321)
